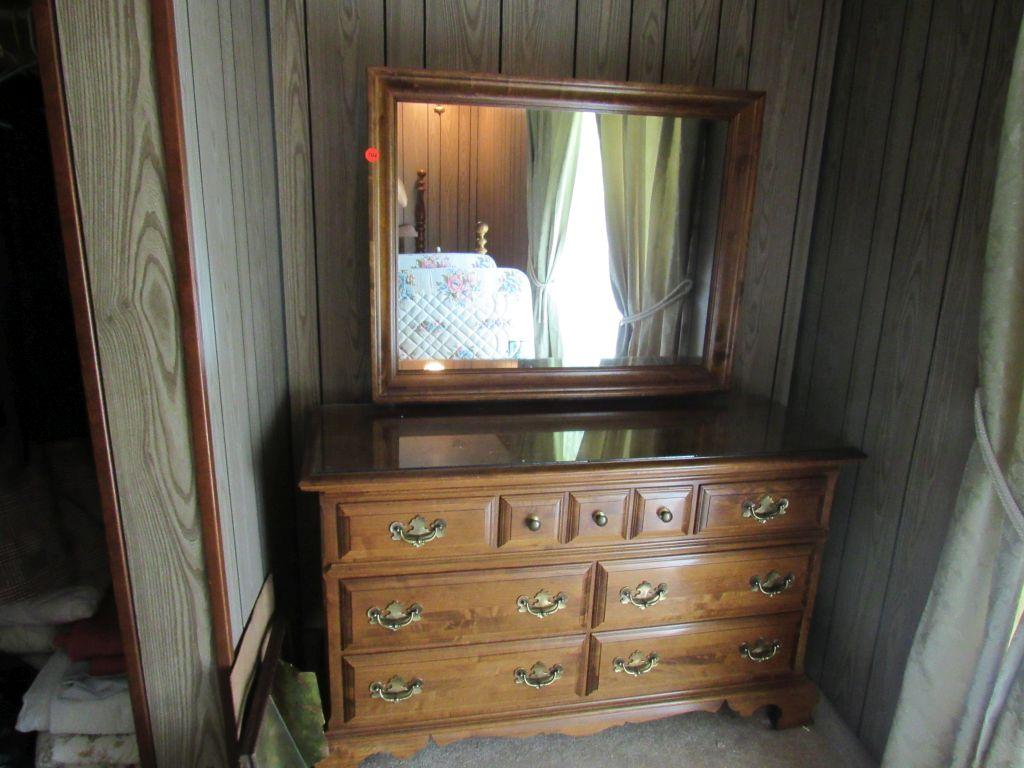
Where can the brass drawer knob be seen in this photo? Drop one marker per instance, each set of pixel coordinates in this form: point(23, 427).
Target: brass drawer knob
point(644, 596)
point(542, 605)
point(637, 665)
point(600, 518)
point(395, 616)
point(539, 676)
point(395, 689)
point(761, 651)
point(765, 509)
point(417, 532)
point(665, 515)
point(773, 583)
point(533, 523)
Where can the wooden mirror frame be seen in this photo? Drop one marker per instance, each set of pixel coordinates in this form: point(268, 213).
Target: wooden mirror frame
point(743, 110)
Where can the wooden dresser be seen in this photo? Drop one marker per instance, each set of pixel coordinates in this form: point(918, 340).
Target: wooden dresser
point(535, 572)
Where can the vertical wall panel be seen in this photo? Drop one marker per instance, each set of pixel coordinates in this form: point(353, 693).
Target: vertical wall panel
point(903, 228)
point(692, 26)
point(345, 38)
point(956, 53)
point(782, 63)
point(464, 35)
point(537, 37)
point(115, 134)
point(602, 40)
point(647, 41)
point(405, 19)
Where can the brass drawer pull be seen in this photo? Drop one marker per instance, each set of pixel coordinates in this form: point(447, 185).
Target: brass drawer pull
point(600, 518)
point(773, 583)
point(417, 533)
point(665, 515)
point(533, 523)
point(637, 665)
point(539, 675)
point(396, 689)
point(763, 650)
point(542, 605)
point(644, 596)
point(765, 509)
point(394, 616)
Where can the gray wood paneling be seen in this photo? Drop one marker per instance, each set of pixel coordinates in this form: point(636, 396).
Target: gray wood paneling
point(226, 93)
point(788, 50)
point(344, 38)
point(888, 351)
point(115, 132)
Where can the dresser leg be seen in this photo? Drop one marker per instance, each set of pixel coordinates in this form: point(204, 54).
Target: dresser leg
point(349, 752)
point(795, 709)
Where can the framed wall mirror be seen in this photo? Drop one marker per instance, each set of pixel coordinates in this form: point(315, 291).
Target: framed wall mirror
point(535, 238)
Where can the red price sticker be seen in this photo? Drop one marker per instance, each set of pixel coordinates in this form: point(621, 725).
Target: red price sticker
point(372, 154)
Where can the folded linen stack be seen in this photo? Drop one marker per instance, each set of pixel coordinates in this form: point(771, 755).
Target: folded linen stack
point(83, 720)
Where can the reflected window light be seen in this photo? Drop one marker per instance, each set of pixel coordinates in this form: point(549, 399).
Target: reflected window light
point(433, 365)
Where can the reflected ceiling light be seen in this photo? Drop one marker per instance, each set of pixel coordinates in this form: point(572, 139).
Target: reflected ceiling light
point(433, 365)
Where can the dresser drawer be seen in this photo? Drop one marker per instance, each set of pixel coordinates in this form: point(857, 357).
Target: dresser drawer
point(406, 530)
point(758, 507)
point(426, 686)
point(674, 590)
point(470, 607)
point(692, 656)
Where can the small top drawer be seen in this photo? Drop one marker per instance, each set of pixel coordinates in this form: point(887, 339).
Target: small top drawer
point(760, 506)
point(405, 530)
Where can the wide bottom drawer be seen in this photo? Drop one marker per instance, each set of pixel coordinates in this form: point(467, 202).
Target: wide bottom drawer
point(425, 686)
point(689, 657)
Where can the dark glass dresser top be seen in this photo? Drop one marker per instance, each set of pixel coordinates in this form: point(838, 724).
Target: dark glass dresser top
point(349, 441)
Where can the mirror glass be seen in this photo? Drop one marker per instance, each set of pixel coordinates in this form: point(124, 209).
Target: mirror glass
point(553, 238)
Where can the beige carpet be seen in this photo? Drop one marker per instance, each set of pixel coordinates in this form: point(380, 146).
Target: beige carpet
point(698, 740)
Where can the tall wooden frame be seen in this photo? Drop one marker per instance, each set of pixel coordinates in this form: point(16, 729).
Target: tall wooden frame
point(743, 110)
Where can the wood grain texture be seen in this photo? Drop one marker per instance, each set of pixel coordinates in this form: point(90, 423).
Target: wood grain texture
point(732, 57)
point(782, 60)
point(344, 38)
point(647, 41)
point(464, 35)
point(946, 430)
point(119, 166)
point(58, 128)
point(956, 54)
point(537, 37)
point(234, 204)
point(900, 224)
point(691, 38)
point(602, 40)
point(405, 21)
point(792, 308)
point(294, 180)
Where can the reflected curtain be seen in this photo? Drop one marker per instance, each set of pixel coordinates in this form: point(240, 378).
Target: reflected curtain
point(650, 181)
point(554, 149)
point(962, 701)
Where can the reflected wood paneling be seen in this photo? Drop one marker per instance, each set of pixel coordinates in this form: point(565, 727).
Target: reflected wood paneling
point(119, 167)
point(902, 221)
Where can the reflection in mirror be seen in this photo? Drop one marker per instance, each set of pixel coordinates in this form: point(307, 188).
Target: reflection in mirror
point(553, 238)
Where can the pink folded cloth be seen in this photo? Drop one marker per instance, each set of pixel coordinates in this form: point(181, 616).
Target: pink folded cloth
point(91, 638)
point(104, 666)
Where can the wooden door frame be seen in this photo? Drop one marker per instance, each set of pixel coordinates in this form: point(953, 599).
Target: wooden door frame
point(59, 130)
point(173, 142)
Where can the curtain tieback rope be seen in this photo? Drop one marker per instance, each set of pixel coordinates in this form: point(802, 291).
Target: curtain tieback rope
point(676, 294)
point(1010, 505)
point(537, 283)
